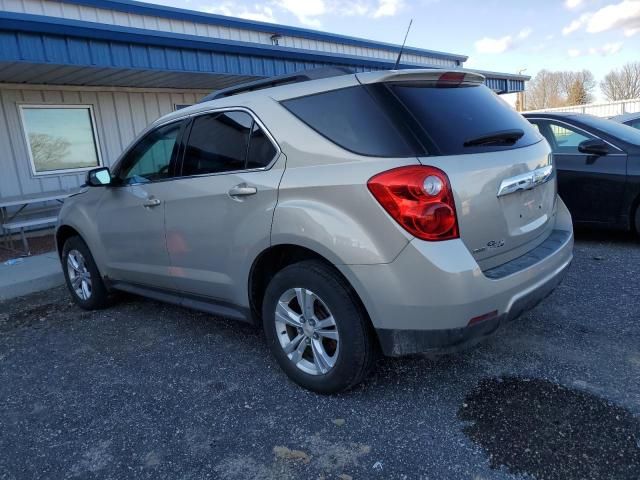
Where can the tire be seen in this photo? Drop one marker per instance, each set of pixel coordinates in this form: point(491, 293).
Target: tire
point(347, 347)
point(637, 221)
point(95, 296)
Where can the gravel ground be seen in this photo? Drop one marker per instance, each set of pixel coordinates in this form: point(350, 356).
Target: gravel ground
point(153, 391)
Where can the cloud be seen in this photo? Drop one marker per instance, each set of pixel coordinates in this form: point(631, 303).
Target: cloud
point(604, 51)
point(573, 26)
point(607, 49)
point(306, 12)
point(259, 13)
point(524, 33)
point(623, 16)
point(310, 12)
point(571, 4)
point(387, 8)
point(490, 45)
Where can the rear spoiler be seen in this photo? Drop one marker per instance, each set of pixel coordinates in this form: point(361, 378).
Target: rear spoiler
point(445, 77)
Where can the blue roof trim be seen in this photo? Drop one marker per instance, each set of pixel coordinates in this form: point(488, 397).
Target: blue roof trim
point(141, 8)
point(43, 40)
point(77, 28)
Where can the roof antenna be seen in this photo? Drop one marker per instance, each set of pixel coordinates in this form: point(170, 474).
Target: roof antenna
point(395, 67)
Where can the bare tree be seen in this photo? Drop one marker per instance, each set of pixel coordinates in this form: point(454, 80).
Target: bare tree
point(544, 91)
point(622, 84)
point(578, 87)
point(48, 151)
point(577, 94)
point(559, 89)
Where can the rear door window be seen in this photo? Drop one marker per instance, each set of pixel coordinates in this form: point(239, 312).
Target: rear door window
point(452, 115)
point(261, 150)
point(218, 142)
point(227, 141)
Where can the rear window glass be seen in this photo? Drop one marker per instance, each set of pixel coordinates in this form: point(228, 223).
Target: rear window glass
point(352, 119)
point(451, 116)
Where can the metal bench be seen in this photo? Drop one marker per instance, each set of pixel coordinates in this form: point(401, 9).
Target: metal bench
point(22, 223)
point(24, 216)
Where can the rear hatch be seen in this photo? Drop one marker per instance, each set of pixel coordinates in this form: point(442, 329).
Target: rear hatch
point(495, 228)
point(498, 165)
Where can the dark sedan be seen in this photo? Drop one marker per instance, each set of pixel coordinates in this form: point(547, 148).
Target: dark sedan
point(631, 119)
point(598, 164)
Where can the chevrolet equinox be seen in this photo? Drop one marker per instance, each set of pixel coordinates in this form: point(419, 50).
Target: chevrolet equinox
point(348, 214)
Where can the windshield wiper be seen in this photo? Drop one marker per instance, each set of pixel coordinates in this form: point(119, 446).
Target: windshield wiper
point(502, 137)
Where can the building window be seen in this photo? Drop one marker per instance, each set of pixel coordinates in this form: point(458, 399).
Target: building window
point(60, 138)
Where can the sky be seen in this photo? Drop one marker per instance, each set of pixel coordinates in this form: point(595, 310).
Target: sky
point(497, 35)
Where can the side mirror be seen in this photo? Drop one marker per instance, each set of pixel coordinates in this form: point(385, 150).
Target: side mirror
point(99, 177)
point(595, 146)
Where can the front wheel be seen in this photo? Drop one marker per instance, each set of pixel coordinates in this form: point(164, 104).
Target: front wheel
point(82, 276)
point(316, 328)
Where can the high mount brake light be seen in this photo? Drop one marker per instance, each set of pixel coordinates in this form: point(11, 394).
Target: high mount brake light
point(450, 79)
point(420, 199)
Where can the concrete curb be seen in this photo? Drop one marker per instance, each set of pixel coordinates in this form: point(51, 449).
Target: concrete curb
point(33, 274)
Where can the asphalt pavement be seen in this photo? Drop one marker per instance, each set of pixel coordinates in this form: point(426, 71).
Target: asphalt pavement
point(146, 390)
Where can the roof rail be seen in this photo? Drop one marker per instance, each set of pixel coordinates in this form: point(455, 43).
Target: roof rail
point(296, 77)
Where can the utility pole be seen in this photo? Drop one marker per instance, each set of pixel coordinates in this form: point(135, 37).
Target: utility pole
point(520, 100)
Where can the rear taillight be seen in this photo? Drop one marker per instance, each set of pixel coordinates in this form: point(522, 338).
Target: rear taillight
point(420, 199)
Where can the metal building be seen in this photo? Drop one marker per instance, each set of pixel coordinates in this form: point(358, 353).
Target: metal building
point(80, 78)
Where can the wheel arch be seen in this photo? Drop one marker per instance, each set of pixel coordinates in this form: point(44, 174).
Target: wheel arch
point(273, 259)
point(63, 233)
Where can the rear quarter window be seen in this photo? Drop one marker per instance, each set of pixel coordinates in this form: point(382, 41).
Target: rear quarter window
point(352, 119)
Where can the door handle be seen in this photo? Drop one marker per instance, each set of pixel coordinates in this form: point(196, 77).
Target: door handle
point(242, 190)
point(152, 202)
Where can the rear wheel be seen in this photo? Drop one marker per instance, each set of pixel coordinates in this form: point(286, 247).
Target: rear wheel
point(82, 276)
point(637, 220)
point(316, 329)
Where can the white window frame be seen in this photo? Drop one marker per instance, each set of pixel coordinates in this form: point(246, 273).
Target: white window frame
point(96, 140)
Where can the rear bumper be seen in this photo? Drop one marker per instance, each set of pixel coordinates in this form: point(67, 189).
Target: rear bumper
point(425, 299)
point(404, 342)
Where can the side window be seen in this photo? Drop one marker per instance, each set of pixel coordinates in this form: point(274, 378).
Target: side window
point(352, 119)
point(635, 124)
point(218, 142)
point(150, 159)
point(566, 139)
point(261, 150)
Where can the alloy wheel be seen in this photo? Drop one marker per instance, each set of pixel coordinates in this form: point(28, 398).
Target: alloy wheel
point(307, 331)
point(79, 275)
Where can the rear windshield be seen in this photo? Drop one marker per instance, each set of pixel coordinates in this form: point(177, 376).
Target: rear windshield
point(406, 120)
point(454, 115)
